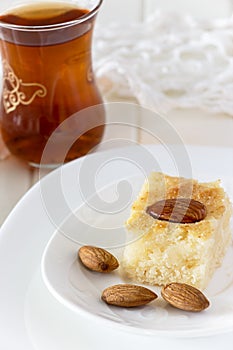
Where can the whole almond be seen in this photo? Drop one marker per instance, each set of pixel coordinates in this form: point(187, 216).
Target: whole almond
point(97, 259)
point(127, 295)
point(180, 210)
point(185, 297)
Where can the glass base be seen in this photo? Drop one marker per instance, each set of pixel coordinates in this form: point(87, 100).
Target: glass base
point(45, 166)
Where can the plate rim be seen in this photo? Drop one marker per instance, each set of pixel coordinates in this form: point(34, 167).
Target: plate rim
point(5, 229)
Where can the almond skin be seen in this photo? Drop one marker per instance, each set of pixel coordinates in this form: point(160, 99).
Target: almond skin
point(184, 297)
point(127, 295)
point(97, 259)
point(179, 210)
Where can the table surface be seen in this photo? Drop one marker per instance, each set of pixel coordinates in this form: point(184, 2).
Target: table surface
point(195, 127)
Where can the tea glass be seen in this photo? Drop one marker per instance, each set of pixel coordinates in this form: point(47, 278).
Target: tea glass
point(47, 77)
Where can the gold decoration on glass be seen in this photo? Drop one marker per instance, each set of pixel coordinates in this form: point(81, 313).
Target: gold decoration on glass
point(13, 90)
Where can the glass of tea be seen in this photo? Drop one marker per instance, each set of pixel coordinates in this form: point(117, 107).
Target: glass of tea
point(47, 77)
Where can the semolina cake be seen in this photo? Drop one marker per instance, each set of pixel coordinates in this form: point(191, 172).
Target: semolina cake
point(168, 249)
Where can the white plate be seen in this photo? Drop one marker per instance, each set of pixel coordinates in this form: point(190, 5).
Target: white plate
point(80, 289)
point(30, 317)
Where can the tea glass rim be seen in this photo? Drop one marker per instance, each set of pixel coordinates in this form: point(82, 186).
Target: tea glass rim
point(55, 26)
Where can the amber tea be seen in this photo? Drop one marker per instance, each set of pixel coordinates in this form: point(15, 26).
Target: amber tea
point(47, 77)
